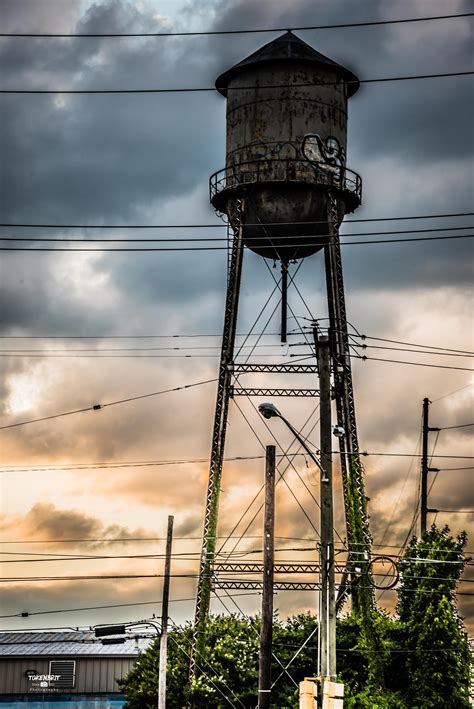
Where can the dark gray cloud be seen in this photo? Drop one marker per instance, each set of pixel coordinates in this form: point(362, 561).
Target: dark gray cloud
point(147, 159)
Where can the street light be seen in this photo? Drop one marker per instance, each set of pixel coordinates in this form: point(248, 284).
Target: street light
point(269, 411)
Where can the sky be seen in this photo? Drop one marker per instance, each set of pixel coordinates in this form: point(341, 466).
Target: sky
point(128, 159)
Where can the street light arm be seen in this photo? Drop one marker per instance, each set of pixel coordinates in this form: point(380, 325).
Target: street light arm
point(270, 411)
point(301, 440)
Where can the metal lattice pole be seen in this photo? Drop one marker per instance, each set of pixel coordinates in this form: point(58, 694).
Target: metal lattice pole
point(217, 446)
point(353, 476)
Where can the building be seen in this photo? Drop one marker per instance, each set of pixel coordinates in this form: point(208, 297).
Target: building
point(70, 669)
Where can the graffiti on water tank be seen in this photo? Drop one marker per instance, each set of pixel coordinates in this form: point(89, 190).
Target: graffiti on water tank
point(317, 150)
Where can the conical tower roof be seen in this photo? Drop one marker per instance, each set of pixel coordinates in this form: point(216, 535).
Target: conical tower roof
point(287, 47)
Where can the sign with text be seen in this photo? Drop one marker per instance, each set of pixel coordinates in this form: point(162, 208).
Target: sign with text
point(43, 683)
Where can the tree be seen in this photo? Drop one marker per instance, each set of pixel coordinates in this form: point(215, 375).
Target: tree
point(437, 651)
point(425, 654)
point(228, 668)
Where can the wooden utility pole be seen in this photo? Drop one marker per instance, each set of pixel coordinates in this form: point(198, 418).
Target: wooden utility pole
point(164, 619)
point(424, 467)
point(328, 597)
point(266, 628)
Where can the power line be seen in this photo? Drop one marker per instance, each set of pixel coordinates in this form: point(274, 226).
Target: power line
point(114, 605)
point(410, 455)
point(125, 356)
point(121, 337)
point(470, 467)
point(17, 350)
point(96, 466)
point(127, 464)
point(401, 349)
point(412, 344)
point(429, 550)
point(321, 238)
point(395, 507)
point(178, 556)
point(105, 577)
point(416, 364)
point(445, 352)
point(120, 540)
point(461, 512)
point(47, 558)
point(114, 35)
point(34, 579)
point(208, 89)
point(97, 355)
point(97, 407)
point(184, 249)
point(462, 425)
point(17, 225)
point(219, 335)
point(445, 396)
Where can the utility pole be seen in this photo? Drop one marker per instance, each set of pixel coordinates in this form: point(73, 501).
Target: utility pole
point(425, 468)
point(328, 596)
point(266, 628)
point(164, 619)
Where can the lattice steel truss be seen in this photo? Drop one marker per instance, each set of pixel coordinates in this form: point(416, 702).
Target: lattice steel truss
point(358, 569)
point(353, 476)
point(218, 440)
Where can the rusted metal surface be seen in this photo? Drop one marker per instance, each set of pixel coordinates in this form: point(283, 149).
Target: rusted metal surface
point(275, 98)
point(286, 215)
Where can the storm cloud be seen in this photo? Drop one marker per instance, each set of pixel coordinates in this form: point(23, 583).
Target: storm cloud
point(146, 159)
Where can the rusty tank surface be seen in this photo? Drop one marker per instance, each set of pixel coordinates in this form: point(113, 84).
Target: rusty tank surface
point(286, 147)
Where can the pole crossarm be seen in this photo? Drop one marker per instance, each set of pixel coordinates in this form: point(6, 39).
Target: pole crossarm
point(242, 391)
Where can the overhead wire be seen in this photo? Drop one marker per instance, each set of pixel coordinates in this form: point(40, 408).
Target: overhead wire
point(445, 396)
point(215, 225)
point(97, 407)
point(239, 609)
point(93, 466)
point(412, 344)
point(185, 249)
point(213, 89)
point(21, 614)
point(202, 671)
point(321, 238)
point(416, 364)
point(290, 458)
point(462, 512)
point(281, 477)
point(206, 33)
point(394, 508)
point(419, 351)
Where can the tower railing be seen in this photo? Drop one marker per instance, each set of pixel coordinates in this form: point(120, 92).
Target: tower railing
point(286, 170)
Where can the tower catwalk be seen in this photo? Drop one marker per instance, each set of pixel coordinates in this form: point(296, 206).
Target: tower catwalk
point(285, 190)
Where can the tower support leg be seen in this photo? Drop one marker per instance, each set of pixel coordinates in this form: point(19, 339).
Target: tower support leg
point(284, 301)
point(353, 477)
point(217, 451)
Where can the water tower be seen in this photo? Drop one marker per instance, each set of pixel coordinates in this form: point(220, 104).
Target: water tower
point(285, 189)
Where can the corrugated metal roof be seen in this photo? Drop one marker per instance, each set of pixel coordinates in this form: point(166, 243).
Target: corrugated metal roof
point(287, 47)
point(72, 643)
point(60, 636)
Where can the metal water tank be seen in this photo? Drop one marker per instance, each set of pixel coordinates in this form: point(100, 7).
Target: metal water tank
point(286, 147)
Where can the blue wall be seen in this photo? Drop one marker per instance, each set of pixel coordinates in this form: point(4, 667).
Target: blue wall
point(77, 701)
